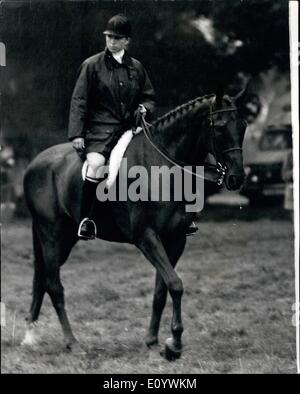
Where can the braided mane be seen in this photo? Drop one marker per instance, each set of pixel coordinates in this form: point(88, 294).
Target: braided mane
point(180, 110)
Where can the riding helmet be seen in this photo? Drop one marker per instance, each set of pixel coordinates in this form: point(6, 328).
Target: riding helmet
point(118, 26)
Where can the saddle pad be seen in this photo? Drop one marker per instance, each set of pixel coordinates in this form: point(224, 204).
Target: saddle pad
point(115, 158)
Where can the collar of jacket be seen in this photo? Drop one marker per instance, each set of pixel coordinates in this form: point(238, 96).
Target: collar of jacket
point(111, 63)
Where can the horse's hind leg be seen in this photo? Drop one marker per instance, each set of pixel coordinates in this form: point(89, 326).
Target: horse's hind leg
point(57, 245)
point(55, 290)
point(174, 252)
point(38, 290)
point(56, 242)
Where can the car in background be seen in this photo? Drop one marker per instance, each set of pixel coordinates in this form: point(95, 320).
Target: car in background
point(263, 168)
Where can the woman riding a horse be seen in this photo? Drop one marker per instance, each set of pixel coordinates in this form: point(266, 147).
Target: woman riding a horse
point(110, 90)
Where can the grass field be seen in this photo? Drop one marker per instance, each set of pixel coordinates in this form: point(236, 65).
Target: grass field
point(238, 274)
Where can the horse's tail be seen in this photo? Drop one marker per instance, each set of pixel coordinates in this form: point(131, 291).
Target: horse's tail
point(26, 189)
point(31, 184)
point(39, 188)
point(38, 259)
point(38, 286)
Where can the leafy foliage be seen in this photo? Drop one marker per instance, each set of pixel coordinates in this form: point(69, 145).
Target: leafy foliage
point(47, 41)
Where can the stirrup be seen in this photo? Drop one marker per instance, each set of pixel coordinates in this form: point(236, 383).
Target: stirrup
point(87, 236)
point(192, 229)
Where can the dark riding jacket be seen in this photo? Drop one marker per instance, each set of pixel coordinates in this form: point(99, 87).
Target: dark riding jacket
point(107, 94)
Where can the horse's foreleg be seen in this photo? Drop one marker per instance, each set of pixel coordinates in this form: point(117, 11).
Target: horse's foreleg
point(174, 252)
point(159, 302)
point(153, 249)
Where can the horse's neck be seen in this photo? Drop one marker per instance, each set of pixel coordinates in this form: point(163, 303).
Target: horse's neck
point(184, 136)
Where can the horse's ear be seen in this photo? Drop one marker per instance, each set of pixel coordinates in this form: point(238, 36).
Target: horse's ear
point(239, 99)
point(219, 95)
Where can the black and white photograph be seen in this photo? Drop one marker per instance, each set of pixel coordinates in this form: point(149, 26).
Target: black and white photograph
point(149, 195)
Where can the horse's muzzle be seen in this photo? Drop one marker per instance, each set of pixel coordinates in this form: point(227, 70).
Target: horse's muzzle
point(234, 182)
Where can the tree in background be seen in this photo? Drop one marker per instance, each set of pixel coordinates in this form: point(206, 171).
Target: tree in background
point(189, 47)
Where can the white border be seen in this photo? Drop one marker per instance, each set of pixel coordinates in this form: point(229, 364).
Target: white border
point(294, 69)
point(294, 66)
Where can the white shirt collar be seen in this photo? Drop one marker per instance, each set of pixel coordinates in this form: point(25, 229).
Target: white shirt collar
point(119, 55)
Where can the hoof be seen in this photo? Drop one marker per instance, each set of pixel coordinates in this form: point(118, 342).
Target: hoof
point(171, 353)
point(75, 348)
point(151, 340)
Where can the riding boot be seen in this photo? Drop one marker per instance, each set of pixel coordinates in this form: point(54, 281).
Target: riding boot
point(87, 228)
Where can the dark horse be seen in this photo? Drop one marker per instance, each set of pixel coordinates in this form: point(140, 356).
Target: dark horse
point(53, 183)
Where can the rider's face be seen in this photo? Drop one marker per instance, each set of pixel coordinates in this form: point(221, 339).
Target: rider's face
point(116, 44)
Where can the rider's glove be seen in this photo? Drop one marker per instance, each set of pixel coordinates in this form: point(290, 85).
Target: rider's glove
point(140, 112)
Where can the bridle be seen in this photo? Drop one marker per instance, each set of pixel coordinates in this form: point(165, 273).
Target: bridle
point(213, 172)
point(221, 168)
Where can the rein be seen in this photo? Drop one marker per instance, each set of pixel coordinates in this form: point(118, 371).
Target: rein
point(214, 173)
